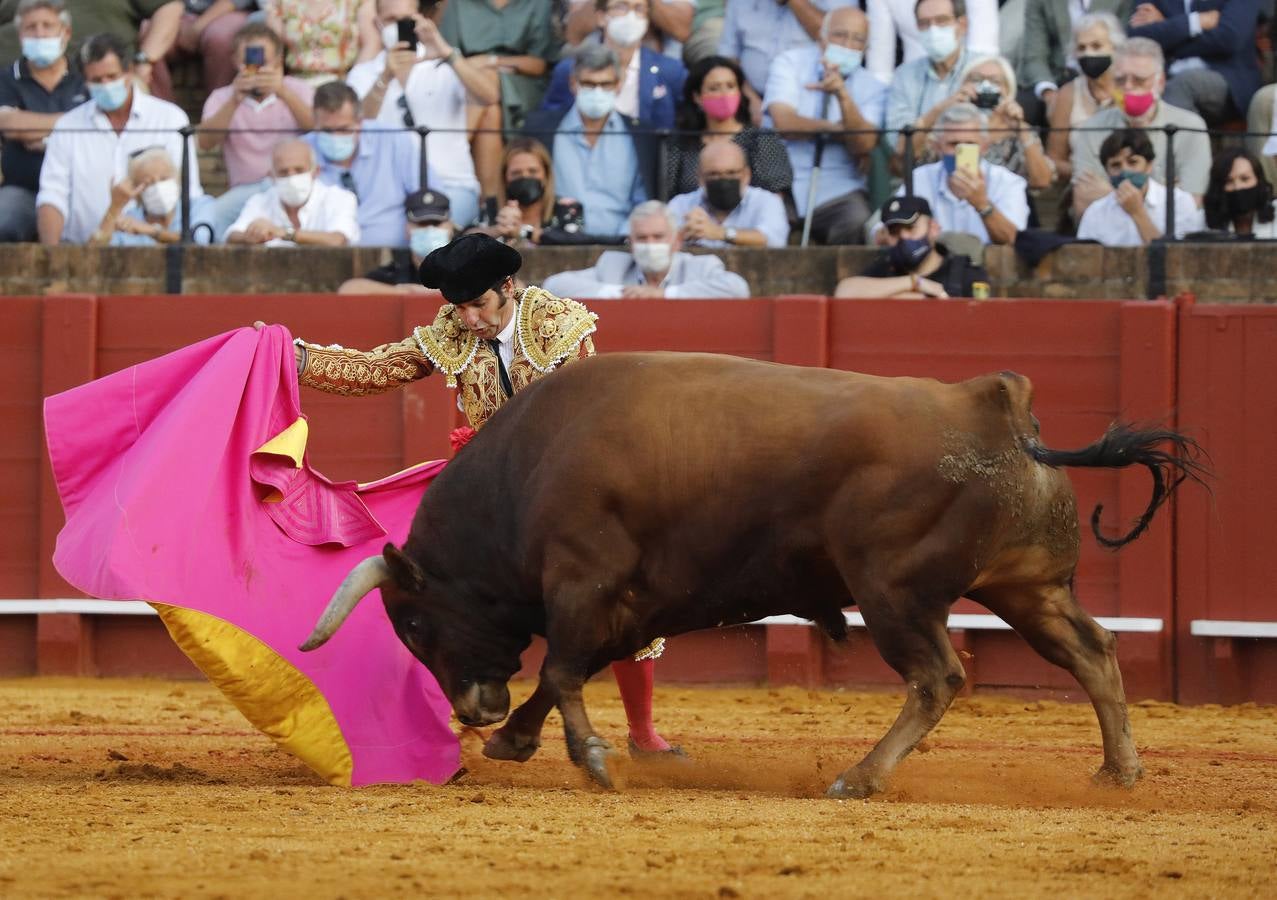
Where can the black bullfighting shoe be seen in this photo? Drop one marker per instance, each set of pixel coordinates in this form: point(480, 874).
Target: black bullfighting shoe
point(674, 752)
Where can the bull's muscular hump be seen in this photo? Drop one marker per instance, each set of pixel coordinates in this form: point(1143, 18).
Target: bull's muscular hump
point(637, 495)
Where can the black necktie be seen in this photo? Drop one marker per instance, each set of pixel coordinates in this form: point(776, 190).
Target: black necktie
point(506, 386)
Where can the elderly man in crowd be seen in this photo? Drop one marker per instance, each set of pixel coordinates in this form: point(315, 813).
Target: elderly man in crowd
point(925, 88)
point(599, 159)
point(654, 268)
point(756, 32)
point(429, 228)
point(89, 147)
point(988, 201)
point(1138, 73)
point(34, 93)
point(430, 85)
point(379, 167)
point(726, 210)
point(298, 209)
point(822, 89)
point(145, 208)
point(249, 116)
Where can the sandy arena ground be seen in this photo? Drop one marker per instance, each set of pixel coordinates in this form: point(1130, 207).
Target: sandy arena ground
point(147, 788)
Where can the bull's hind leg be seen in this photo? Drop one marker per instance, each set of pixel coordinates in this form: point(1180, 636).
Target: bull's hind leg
point(913, 640)
point(1050, 619)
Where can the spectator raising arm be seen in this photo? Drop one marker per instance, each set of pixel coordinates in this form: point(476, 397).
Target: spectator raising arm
point(159, 38)
point(673, 17)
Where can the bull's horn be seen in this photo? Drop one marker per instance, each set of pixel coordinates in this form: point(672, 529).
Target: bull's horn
point(371, 573)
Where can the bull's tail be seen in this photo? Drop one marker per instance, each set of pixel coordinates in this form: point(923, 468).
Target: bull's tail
point(1124, 445)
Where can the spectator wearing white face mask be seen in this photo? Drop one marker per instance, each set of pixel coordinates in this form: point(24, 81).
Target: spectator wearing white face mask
point(654, 267)
point(298, 209)
point(923, 89)
point(651, 82)
point(146, 206)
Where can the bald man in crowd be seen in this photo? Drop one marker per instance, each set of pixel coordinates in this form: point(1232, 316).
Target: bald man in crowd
point(725, 211)
point(297, 209)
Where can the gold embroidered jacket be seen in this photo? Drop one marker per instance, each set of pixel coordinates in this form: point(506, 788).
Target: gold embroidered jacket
point(549, 331)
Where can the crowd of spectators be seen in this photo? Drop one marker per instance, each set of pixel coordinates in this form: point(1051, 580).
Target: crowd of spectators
point(661, 124)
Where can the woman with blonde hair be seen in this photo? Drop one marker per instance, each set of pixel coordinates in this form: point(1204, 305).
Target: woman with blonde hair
point(525, 209)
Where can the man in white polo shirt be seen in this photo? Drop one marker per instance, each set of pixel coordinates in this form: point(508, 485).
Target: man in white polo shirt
point(298, 209)
point(991, 202)
point(402, 87)
point(90, 146)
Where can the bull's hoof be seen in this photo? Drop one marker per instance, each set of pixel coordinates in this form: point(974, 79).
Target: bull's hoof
point(1115, 777)
point(674, 753)
point(596, 753)
point(854, 786)
point(511, 745)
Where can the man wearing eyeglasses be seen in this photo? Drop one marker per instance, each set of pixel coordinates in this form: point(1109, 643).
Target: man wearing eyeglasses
point(429, 84)
point(600, 158)
point(651, 82)
point(379, 167)
point(1139, 76)
point(726, 211)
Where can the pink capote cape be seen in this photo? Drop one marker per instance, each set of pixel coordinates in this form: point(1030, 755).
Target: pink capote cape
point(184, 483)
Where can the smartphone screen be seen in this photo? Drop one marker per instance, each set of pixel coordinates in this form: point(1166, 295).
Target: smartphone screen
point(254, 56)
point(408, 33)
point(967, 158)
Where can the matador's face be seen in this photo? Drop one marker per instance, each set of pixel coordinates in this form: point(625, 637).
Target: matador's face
point(487, 314)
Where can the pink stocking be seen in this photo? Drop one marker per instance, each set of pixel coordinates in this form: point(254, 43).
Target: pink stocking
point(635, 682)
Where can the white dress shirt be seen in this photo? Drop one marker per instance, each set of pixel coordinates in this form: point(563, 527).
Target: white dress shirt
point(1006, 190)
point(437, 99)
point(1105, 220)
point(85, 156)
point(328, 208)
point(887, 18)
point(505, 339)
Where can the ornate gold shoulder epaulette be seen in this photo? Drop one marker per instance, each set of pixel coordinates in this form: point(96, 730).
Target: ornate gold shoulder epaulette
point(447, 343)
point(551, 328)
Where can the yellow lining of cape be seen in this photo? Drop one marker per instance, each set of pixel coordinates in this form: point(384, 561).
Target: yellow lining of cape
point(290, 442)
point(277, 699)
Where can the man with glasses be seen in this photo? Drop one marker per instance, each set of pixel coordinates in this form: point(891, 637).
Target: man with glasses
point(923, 89)
point(599, 157)
point(1138, 75)
point(430, 85)
point(726, 211)
point(651, 82)
point(89, 147)
point(824, 89)
point(379, 167)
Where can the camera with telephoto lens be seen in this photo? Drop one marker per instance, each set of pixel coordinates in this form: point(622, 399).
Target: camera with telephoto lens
point(987, 95)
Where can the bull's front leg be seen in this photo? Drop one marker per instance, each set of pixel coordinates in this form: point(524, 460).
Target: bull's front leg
point(585, 748)
point(520, 737)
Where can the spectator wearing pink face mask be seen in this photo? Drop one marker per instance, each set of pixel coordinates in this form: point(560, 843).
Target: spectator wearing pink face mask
point(715, 109)
point(1139, 79)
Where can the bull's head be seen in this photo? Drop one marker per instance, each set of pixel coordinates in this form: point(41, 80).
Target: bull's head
point(470, 655)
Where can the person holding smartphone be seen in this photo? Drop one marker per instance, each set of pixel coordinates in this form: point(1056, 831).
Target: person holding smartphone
point(249, 116)
point(420, 79)
point(965, 191)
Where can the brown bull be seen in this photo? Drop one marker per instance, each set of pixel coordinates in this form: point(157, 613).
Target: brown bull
point(638, 495)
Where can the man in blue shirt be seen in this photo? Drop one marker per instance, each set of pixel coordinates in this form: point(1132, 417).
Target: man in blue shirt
point(726, 210)
point(379, 167)
point(34, 92)
point(756, 32)
point(824, 90)
point(923, 89)
point(598, 157)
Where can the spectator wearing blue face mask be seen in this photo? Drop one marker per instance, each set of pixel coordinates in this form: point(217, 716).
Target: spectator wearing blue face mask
point(600, 159)
point(379, 167)
point(90, 146)
point(430, 226)
point(34, 93)
point(824, 90)
point(1134, 212)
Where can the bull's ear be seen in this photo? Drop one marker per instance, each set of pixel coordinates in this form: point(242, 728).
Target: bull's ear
point(406, 573)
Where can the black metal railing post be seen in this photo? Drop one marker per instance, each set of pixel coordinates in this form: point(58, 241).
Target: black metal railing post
point(907, 132)
point(422, 133)
point(186, 132)
point(1168, 233)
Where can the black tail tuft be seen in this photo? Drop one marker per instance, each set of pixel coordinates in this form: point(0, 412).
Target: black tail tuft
point(1125, 445)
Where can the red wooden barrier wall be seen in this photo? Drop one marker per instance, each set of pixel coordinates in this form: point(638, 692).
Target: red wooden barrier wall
point(1226, 541)
point(1090, 362)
